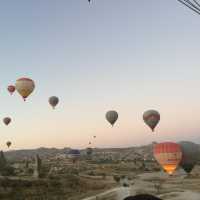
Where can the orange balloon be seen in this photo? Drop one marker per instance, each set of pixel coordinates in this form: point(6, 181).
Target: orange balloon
point(168, 155)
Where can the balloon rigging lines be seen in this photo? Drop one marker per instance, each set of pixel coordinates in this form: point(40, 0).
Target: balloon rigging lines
point(192, 4)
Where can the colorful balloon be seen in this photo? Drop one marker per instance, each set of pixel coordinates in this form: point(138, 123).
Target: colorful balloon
point(11, 89)
point(151, 118)
point(25, 87)
point(191, 153)
point(8, 144)
point(168, 155)
point(53, 101)
point(7, 120)
point(112, 117)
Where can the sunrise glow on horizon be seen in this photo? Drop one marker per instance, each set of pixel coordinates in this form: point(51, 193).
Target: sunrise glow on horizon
point(129, 57)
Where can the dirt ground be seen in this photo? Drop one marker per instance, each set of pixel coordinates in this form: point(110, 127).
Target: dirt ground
point(176, 187)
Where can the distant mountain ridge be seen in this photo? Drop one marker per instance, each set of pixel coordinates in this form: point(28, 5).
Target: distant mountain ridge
point(145, 152)
point(28, 153)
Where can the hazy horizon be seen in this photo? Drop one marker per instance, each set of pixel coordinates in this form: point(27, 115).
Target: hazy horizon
point(82, 149)
point(129, 56)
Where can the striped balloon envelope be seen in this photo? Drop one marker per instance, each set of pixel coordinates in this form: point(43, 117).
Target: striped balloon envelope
point(151, 118)
point(168, 155)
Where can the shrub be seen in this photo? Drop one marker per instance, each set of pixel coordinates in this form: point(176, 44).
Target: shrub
point(8, 171)
point(116, 178)
point(91, 173)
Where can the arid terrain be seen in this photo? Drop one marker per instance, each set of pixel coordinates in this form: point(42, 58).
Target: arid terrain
point(112, 174)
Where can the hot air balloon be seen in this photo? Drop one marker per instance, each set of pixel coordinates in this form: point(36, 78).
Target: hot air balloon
point(112, 117)
point(89, 151)
point(11, 89)
point(7, 120)
point(151, 118)
point(168, 155)
point(8, 144)
point(25, 87)
point(190, 157)
point(53, 101)
point(74, 155)
point(193, 5)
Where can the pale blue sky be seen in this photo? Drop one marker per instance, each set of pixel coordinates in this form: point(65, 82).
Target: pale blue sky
point(128, 55)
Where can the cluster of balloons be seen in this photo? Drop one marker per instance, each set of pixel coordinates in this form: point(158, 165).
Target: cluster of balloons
point(25, 86)
point(171, 155)
point(7, 121)
point(150, 117)
point(168, 154)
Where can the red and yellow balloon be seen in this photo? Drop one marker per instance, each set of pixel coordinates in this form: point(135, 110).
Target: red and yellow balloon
point(168, 155)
